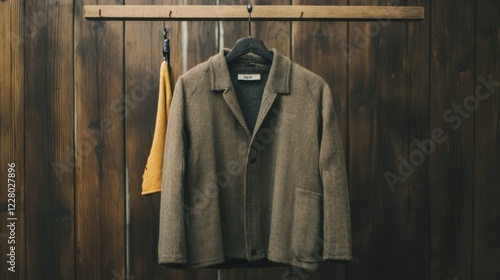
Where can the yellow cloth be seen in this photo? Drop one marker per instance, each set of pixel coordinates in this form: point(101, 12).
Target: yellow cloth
point(151, 179)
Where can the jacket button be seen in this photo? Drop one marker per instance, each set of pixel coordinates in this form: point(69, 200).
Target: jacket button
point(253, 252)
point(253, 161)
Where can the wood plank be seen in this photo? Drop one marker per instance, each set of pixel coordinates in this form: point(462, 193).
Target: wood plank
point(12, 138)
point(50, 205)
point(451, 175)
point(202, 38)
point(143, 41)
point(143, 59)
point(385, 93)
point(100, 157)
point(415, 196)
point(317, 47)
point(486, 229)
point(260, 12)
point(274, 35)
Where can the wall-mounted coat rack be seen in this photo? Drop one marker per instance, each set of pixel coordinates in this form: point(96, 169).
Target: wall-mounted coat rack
point(259, 13)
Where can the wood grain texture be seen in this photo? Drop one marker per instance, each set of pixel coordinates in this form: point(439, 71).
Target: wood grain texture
point(415, 200)
point(318, 47)
point(143, 58)
point(381, 117)
point(368, 193)
point(451, 176)
point(142, 64)
point(260, 12)
point(63, 77)
point(100, 157)
point(486, 248)
point(50, 237)
point(12, 136)
point(202, 38)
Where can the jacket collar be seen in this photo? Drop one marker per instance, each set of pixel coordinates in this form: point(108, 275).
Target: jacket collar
point(279, 74)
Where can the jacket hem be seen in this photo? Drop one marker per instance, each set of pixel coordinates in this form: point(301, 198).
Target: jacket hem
point(304, 265)
point(338, 258)
point(181, 263)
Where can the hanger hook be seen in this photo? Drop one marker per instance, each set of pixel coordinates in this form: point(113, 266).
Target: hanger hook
point(249, 9)
point(166, 45)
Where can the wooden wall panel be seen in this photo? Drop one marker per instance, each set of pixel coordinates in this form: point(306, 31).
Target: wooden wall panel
point(451, 176)
point(50, 237)
point(143, 41)
point(318, 46)
point(100, 157)
point(486, 248)
point(202, 37)
point(385, 96)
point(12, 138)
point(414, 197)
point(143, 58)
point(78, 104)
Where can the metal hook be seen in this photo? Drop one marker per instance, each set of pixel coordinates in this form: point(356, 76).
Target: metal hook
point(249, 9)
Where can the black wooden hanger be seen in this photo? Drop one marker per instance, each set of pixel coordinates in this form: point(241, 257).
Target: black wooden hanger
point(246, 45)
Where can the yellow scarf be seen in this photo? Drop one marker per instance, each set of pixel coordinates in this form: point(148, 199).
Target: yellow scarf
point(151, 179)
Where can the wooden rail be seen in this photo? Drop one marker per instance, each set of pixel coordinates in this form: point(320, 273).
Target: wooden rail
point(259, 13)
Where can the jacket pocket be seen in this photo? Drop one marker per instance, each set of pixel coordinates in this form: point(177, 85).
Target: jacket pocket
point(307, 226)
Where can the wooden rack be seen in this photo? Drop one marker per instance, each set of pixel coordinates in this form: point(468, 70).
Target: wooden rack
point(259, 13)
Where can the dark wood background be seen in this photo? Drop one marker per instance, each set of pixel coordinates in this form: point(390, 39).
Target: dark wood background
point(78, 104)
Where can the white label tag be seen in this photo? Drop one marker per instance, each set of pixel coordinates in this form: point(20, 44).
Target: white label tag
point(248, 77)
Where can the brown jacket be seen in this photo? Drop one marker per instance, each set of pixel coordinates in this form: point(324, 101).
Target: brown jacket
point(278, 196)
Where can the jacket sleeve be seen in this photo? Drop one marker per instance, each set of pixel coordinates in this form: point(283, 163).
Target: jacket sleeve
point(337, 222)
point(172, 238)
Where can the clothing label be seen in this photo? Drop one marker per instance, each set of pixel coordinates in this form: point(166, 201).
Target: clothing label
point(248, 77)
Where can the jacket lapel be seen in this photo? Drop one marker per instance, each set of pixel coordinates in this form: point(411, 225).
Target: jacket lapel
point(221, 81)
point(277, 83)
point(267, 101)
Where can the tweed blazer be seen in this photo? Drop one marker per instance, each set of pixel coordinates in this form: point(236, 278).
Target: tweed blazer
point(277, 196)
